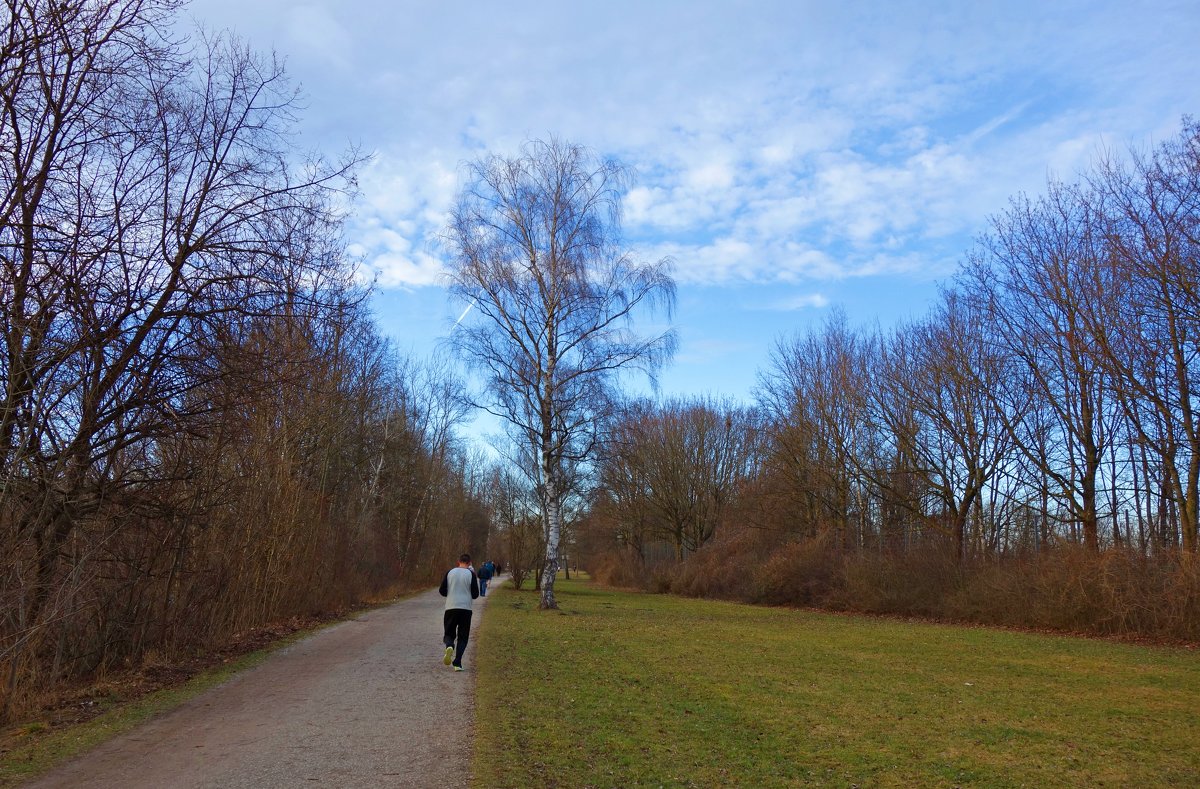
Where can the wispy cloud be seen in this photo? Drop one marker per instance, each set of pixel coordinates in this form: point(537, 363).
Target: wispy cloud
point(393, 258)
point(803, 301)
point(801, 143)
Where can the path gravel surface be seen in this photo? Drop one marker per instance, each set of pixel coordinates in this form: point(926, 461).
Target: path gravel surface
point(365, 703)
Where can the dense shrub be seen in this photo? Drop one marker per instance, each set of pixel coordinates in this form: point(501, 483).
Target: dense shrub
point(727, 568)
point(1068, 589)
point(803, 573)
point(914, 583)
point(620, 569)
point(1114, 593)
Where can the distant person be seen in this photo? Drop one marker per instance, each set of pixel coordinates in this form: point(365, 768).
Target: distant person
point(485, 574)
point(459, 587)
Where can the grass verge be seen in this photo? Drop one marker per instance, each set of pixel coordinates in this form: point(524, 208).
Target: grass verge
point(621, 689)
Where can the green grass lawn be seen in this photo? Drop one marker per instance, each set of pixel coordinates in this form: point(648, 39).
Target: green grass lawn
point(621, 689)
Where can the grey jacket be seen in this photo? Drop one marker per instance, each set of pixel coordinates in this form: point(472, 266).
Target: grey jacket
point(459, 587)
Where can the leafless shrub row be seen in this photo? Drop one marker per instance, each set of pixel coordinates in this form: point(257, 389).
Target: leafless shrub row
point(1028, 452)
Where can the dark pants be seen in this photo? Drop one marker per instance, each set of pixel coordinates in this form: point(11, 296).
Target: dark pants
point(458, 629)
point(483, 582)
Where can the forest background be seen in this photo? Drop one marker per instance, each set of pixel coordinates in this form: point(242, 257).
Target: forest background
point(204, 429)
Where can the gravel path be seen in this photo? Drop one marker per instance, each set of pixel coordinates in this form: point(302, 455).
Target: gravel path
point(365, 703)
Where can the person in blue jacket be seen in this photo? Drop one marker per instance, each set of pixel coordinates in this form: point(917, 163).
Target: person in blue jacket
point(486, 572)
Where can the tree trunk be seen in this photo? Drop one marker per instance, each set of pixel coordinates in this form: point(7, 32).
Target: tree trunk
point(1088, 518)
point(553, 514)
point(1191, 506)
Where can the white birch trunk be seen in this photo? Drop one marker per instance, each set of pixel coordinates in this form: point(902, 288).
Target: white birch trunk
point(553, 534)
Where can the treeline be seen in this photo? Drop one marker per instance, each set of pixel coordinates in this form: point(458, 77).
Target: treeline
point(1027, 452)
point(201, 429)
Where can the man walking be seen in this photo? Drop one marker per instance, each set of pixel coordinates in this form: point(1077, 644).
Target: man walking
point(485, 576)
point(459, 587)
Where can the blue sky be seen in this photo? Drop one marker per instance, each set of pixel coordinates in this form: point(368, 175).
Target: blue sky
point(791, 156)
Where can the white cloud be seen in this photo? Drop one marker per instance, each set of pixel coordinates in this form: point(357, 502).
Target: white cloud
point(797, 262)
point(413, 270)
point(789, 152)
point(723, 260)
point(393, 259)
point(798, 143)
point(710, 177)
point(402, 210)
point(638, 203)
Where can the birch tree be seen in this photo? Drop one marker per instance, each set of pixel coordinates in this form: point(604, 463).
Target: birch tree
point(536, 252)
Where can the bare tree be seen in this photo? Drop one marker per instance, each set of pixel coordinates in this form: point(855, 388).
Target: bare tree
point(537, 253)
point(1037, 275)
point(1148, 324)
point(673, 471)
point(152, 211)
point(822, 441)
point(934, 393)
point(419, 455)
point(514, 513)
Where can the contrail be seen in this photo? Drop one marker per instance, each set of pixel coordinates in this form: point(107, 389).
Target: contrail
point(460, 317)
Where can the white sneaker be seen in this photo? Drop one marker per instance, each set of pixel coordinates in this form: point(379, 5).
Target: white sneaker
point(459, 668)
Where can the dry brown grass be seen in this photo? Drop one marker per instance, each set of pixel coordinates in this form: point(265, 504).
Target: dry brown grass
point(1067, 589)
